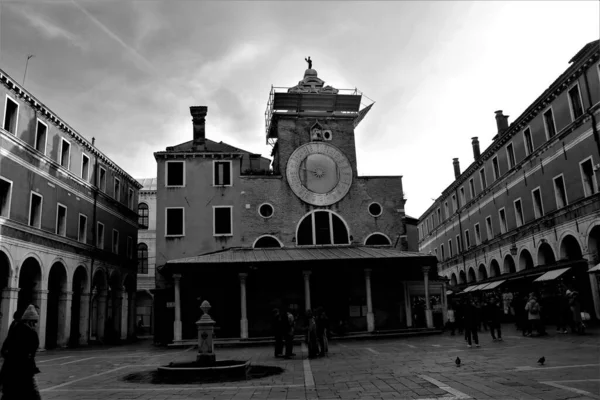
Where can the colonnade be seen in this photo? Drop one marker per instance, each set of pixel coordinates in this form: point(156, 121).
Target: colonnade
point(177, 331)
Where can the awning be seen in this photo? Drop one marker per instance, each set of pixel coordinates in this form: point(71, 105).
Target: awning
point(595, 269)
point(469, 289)
point(449, 292)
point(493, 285)
point(548, 276)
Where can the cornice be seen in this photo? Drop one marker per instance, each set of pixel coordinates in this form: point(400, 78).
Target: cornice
point(37, 105)
point(193, 154)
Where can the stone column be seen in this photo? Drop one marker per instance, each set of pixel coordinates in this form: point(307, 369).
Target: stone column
point(40, 299)
point(306, 290)
point(84, 319)
point(124, 314)
point(444, 303)
point(131, 316)
point(370, 315)
point(101, 315)
point(64, 318)
point(177, 323)
point(10, 300)
point(244, 318)
point(594, 284)
point(428, 313)
point(407, 306)
point(117, 305)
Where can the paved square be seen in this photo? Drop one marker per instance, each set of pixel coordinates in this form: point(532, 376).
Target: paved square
point(406, 368)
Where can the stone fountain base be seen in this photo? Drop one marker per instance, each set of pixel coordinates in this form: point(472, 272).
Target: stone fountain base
point(221, 368)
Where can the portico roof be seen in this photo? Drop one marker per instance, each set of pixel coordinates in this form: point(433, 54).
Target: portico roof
point(287, 254)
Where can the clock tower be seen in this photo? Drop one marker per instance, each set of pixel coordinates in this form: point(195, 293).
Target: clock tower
point(311, 127)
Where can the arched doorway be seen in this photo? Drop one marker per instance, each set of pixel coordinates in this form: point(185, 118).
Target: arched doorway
point(545, 255)
point(99, 294)
point(471, 277)
point(482, 272)
point(6, 315)
point(509, 265)
point(570, 249)
point(462, 277)
point(594, 244)
point(453, 280)
point(494, 268)
point(79, 307)
point(56, 310)
point(30, 283)
point(525, 260)
point(144, 313)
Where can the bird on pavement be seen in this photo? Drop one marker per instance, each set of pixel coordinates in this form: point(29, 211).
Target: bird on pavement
point(457, 361)
point(542, 360)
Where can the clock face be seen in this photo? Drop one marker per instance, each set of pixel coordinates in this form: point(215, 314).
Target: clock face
point(319, 173)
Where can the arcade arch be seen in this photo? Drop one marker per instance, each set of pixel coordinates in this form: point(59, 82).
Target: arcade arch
point(453, 280)
point(509, 265)
point(494, 269)
point(99, 295)
point(482, 273)
point(462, 277)
point(545, 255)
point(56, 311)
point(471, 277)
point(525, 260)
point(570, 249)
point(594, 244)
point(30, 283)
point(79, 307)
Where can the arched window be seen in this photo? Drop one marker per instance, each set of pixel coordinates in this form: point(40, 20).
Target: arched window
point(265, 242)
point(377, 239)
point(142, 257)
point(322, 227)
point(143, 215)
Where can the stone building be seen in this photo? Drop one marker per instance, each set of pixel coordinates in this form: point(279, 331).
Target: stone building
point(146, 255)
point(291, 236)
point(68, 227)
point(525, 214)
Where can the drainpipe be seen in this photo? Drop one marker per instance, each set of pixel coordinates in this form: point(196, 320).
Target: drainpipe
point(94, 243)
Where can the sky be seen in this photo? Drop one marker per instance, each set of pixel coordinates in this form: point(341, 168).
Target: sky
point(126, 72)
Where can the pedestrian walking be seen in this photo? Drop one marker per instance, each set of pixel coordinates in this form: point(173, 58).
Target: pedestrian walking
point(18, 370)
point(575, 306)
point(470, 323)
point(289, 334)
point(11, 329)
point(311, 335)
point(451, 317)
point(278, 327)
point(322, 332)
point(533, 315)
point(495, 313)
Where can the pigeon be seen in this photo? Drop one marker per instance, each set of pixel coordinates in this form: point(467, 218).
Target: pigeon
point(542, 360)
point(457, 361)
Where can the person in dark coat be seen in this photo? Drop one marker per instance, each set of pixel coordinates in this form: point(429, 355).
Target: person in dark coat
point(15, 321)
point(290, 325)
point(278, 332)
point(311, 335)
point(18, 370)
point(494, 313)
point(470, 323)
point(322, 332)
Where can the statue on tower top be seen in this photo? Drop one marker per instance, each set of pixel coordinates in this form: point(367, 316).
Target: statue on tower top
point(309, 61)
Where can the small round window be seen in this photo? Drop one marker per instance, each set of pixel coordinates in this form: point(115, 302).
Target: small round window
point(265, 210)
point(375, 209)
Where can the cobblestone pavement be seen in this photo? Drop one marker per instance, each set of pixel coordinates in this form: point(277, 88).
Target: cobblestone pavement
point(404, 368)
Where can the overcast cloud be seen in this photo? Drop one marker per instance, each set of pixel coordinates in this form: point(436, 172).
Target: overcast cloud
point(126, 72)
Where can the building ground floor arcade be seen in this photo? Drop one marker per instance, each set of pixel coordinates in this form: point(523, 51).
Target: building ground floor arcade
point(361, 289)
point(57, 282)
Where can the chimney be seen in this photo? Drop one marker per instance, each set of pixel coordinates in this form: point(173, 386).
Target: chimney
point(93, 141)
point(456, 167)
point(199, 123)
point(476, 152)
point(501, 122)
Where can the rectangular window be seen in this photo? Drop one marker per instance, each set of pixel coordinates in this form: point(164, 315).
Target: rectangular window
point(82, 235)
point(575, 102)
point(175, 222)
point(85, 167)
point(41, 137)
point(472, 188)
point(488, 228)
point(463, 199)
point(549, 124)
point(467, 240)
point(454, 204)
point(442, 251)
point(446, 211)
point(130, 196)
point(222, 221)
point(588, 177)
point(117, 189)
point(528, 141)
point(11, 115)
point(439, 215)
point(5, 197)
point(457, 244)
point(510, 156)
point(502, 217)
point(560, 192)
point(496, 168)
point(222, 173)
point(115, 241)
point(477, 234)
point(519, 212)
point(538, 206)
point(450, 247)
point(483, 180)
point(102, 179)
point(129, 247)
point(35, 210)
point(100, 235)
point(175, 173)
point(65, 153)
point(61, 220)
